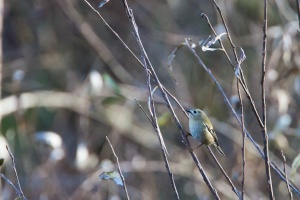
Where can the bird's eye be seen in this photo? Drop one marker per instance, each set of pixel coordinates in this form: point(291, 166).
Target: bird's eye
point(195, 112)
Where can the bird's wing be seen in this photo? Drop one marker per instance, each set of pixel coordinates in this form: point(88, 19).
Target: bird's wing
point(212, 131)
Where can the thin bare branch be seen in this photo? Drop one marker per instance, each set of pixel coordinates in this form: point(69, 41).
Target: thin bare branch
point(1, 53)
point(166, 93)
point(234, 189)
point(114, 32)
point(237, 118)
point(157, 129)
point(11, 184)
point(282, 177)
point(119, 168)
point(227, 30)
point(298, 11)
point(220, 41)
point(244, 137)
point(165, 96)
point(152, 110)
point(15, 171)
point(67, 6)
point(148, 117)
point(286, 177)
point(148, 69)
point(264, 109)
point(242, 79)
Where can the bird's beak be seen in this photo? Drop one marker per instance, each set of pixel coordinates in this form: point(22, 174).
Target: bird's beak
point(188, 111)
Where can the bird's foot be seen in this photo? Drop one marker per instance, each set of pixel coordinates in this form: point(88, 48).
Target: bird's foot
point(187, 134)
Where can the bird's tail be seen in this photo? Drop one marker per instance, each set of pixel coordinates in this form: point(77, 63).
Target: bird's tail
point(219, 149)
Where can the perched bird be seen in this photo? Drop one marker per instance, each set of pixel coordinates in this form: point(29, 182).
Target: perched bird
point(202, 130)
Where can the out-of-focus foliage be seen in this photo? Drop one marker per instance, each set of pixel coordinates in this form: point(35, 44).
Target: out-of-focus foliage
point(65, 73)
point(295, 166)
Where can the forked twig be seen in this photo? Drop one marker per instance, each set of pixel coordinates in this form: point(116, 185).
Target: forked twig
point(141, 107)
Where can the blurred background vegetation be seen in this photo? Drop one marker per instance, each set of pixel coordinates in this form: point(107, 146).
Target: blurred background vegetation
point(67, 82)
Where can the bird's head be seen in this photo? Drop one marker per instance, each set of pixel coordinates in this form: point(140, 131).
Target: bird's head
point(196, 114)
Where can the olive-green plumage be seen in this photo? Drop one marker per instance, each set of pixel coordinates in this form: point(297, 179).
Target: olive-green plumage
point(202, 130)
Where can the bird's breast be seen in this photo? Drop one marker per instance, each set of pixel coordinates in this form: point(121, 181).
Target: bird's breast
point(196, 130)
point(200, 133)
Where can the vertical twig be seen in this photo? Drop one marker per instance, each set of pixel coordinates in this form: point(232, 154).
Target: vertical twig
point(264, 110)
point(298, 11)
point(1, 53)
point(156, 128)
point(244, 137)
point(1, 59)
point(286, 177)
point(149, 69)
point(159, 135)
point(119, 168)
point(15, 171)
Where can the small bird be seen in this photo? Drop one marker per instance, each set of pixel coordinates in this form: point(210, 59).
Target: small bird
point(202, 129)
